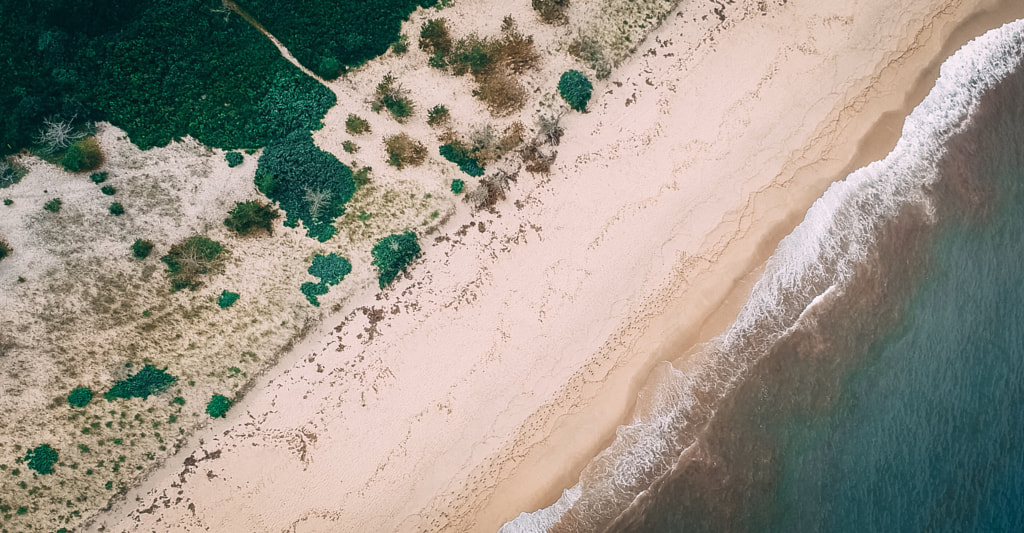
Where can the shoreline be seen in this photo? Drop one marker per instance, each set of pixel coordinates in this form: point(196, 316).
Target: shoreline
point(708, 273)
point(872, 143)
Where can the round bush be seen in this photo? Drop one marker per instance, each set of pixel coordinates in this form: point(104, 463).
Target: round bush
point(80, 397)
point(392, 254)
point(227, 299)
point(575, 88)
point(41, 459)
point(141, 248)
point(234, 159)
point(83, 156)
point(457, 186)
point(218, 406)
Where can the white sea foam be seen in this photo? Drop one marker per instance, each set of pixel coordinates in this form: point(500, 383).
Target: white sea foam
point(836, 235)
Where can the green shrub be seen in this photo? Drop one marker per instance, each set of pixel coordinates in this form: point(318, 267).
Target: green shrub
point(150, 380)
point(312, 290)
point(310, 185)
point(356, 125)
point(458, 154)
point(80, 397)
point(8, 201)
point(5, 249)
point(53, 205)
point(252, 216)
point(108, 190)
point(218, 406)
point(98, 177)
point(227, 299)
point(10, 173)
point(391, 96)
point(404, 151)
point(41, 459)
point(330, 268)
point(392, 254)
point(361, 177)
point(435, 38)
point(400, 46)
point(457, 186)
point(349, 147)
point(116, 209)
point(141, 248)
point(189, 259)
point(438, 115)
point(83, 156)
point(234, 159)
point(575, 89)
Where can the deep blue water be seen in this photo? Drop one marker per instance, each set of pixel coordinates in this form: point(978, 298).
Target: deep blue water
point(929, 435)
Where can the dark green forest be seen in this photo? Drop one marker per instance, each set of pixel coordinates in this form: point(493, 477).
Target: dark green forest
point(327, 37)
point(160, 70)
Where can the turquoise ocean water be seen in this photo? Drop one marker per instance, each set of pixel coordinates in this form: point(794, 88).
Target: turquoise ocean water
point(875, 379)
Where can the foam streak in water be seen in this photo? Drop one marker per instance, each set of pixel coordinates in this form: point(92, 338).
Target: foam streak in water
point(821, 254)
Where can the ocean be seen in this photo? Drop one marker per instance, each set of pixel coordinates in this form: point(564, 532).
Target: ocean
point(874, 380)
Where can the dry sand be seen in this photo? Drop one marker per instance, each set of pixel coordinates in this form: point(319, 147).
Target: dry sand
point(480, 385)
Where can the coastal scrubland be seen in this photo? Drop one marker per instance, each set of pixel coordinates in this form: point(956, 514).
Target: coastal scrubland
point(241, 218)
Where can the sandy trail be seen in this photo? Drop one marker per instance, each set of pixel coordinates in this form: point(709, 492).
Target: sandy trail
point(480, 386)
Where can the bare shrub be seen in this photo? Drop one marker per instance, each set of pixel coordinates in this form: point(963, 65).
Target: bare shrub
point(516, 51)
point(549, 130)
point(502, 93)
point(404, 151)
point(535, 161)
point(57, 134)
point(589, 51)
point(491, 190)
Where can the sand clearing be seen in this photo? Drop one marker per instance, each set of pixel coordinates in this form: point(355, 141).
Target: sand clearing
point(478, 387)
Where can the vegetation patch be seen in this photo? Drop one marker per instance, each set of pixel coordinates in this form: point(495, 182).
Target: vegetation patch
point(438, 116)
point(457, 186)
point(83, 156)
point(309, 184)
point(116, 209)
point(234, 159)
point(327, 37)
point(392, 96)
point(349, 147)
point(392, 254)
point(148, 381)
point(141, 248)
point(98, 177)
point(356, 125)
point(552, 11)
point(108, 190)
point(494, 63)
point(41, 459)
point(404, 151)
point(575, 89)
point(80, 397)
point(5, 249)
point(10, 173)
point(481, 147)
point(227, 299)
point(250, 217)
point(160, 70)
point(53, 205)
point(330, 269)
point(190, 259)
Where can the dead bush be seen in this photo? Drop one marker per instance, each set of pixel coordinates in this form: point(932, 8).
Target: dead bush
point(536, 161)
point(502, 93)
point(404, 151)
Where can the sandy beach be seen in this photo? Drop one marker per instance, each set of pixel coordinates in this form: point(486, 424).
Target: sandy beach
point(480, 385)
